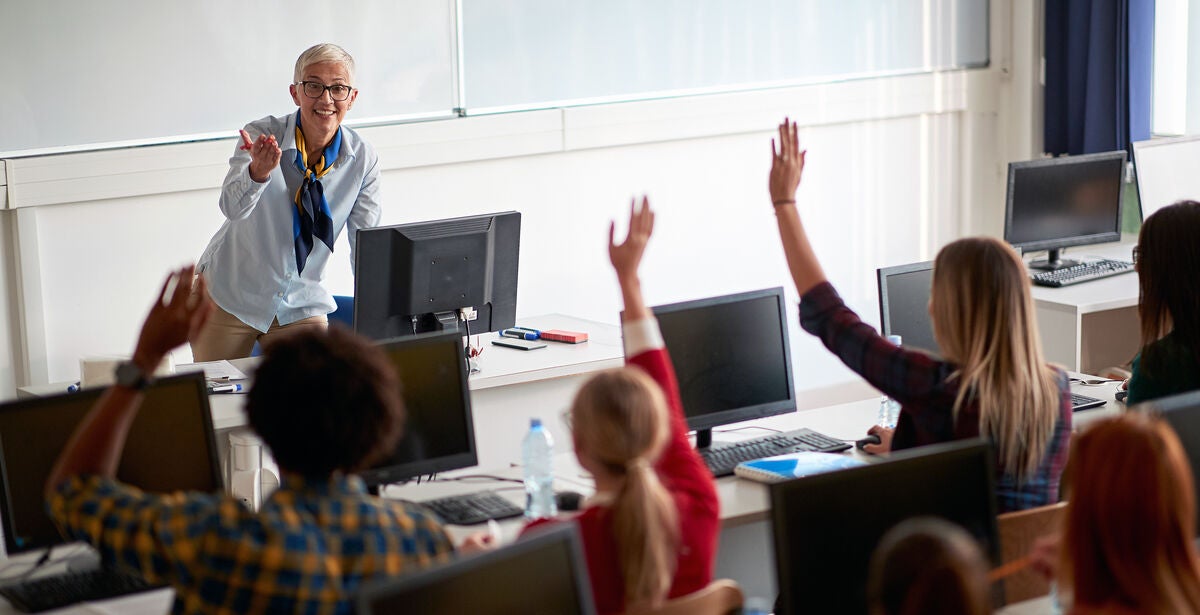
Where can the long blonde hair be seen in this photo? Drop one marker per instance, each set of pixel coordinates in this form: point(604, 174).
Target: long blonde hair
point(620, 418)
point(983, 319)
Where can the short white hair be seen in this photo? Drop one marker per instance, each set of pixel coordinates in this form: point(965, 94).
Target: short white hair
point(323, 52)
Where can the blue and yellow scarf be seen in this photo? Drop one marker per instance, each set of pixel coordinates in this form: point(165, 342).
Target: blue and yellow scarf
point(310, 197)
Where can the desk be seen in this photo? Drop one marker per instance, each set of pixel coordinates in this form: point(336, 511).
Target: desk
point(1090, 326)
point(746, 546)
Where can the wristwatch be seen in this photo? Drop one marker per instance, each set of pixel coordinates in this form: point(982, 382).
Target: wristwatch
point(130, 376)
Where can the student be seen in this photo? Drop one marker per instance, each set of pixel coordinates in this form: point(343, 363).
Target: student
point(993, 380)
point(326, 403)
point(1167, 258)
point(1131, 515)
point(650, 531)
point(928, 566)
point(294, 183)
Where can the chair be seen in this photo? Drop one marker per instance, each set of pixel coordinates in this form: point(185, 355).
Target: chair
point(1018, 531)
point(721, 597)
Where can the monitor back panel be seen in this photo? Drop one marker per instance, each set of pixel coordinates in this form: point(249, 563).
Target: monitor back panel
point(541, 573)
point(1166, 172)
point(1183, 413)
point(170, 447)
point(731, 356)
point(827, 526)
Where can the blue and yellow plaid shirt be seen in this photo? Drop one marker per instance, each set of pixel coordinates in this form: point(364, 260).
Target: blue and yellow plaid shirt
point(308, 550)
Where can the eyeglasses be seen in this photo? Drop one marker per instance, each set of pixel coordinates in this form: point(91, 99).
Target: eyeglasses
point(1134, 254)
point(316, 89)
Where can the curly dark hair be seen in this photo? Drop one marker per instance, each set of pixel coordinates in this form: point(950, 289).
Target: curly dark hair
point(325, 401)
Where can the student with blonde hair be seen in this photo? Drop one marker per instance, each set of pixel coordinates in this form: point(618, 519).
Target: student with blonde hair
point(650, 531)
point(991, 380)
point(1128, 542)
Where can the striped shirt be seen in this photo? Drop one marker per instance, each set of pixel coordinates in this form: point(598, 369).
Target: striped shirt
point(309, 549)
point(924, 387)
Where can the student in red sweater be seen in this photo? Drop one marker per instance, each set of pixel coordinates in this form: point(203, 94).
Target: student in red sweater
point(650, 531)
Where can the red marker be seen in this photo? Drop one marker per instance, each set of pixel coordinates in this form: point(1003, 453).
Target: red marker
point(246, 142)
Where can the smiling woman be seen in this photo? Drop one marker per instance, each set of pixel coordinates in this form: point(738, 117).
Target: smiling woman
point(294, 182)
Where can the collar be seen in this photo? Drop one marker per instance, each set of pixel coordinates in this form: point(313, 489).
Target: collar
point(334, 485)
point(345, 153)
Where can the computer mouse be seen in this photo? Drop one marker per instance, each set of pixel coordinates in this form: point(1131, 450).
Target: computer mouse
point(568, 500)
point(1121, 395)
point(870, 439)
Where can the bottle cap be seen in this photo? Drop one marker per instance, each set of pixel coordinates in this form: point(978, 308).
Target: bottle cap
point(535, 423)
point(894, 339)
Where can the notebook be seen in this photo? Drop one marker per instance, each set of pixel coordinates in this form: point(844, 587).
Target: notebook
point(794, 465)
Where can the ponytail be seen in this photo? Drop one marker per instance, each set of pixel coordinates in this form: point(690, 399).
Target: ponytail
point(646, 524)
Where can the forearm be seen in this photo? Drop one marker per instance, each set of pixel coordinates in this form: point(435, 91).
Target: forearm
point(239, 192)
point(631, 295)
point(802, 261)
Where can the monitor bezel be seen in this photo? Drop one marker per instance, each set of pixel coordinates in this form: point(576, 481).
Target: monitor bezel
point(384, 475)
point(1064, 242)
point(737, 415)
point(197, 380)
point(534, 541)
point(954, 450)
point(881, 276)
point(1152, 143)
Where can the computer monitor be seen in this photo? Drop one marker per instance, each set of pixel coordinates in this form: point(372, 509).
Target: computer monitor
point(1166, 172)
point(731, 356)
point(438, 433)
point(544, 572)
point(827, 526)
point(904, 293)
point(1056, 203)
point(170, 447)
point(1183, 413)
point(420, 277)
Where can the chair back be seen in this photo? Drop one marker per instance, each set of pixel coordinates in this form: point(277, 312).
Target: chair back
point(721, 597)
point(1018, 531)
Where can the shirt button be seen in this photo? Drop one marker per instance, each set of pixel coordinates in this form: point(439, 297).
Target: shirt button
point(278, 294)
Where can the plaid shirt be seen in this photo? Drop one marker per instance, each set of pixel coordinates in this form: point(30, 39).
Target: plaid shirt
point(308, 550)
point(926, 392)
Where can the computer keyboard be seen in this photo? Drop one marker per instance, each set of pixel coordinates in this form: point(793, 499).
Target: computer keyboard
point(1081, 272)
point(722, 459)
point(1083, 402)
point(472, 508)
point(52, 592)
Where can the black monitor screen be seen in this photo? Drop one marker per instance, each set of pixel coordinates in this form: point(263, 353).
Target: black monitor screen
point(170, 447)
point(415, 278)
point(541, 573)
point(904, 304)
point(1061, 202)
point(731, 356)
point(1183, 413)
point(827, 526)
point(438, 434)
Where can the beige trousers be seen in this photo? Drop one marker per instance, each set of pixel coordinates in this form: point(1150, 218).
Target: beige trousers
point(226, 337)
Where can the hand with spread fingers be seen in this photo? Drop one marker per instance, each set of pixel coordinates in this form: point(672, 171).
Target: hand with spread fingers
point(180, 309)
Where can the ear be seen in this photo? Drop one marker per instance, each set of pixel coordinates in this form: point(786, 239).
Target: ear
point(292, 91)
point(350, 101)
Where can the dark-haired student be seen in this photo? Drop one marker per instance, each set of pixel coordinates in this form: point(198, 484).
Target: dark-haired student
point(928, 566)
point(992, 381)
point(650, 531)
point(326, 403)
point(1167, 258)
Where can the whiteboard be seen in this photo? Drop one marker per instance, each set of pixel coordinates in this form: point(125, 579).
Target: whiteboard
point(1168, 170)
point(97, 72)
point(521, 53)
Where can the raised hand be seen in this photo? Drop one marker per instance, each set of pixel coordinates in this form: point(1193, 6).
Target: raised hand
point(177, 314)
point(264, 155)
point(627, 255)
point(787, 165)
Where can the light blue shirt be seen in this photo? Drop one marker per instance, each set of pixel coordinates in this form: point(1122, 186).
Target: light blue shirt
point(250, 264)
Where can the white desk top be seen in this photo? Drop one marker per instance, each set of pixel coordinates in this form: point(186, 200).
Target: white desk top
point(1118, 291)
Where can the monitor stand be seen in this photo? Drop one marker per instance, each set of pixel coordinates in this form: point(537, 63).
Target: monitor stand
point(703, 438)
point(1053, 261)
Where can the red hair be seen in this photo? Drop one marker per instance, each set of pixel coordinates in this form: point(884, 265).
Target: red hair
point(1131, 518)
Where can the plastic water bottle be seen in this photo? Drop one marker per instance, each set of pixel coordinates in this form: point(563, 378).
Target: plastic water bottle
point(537, 453)
point(889, 409)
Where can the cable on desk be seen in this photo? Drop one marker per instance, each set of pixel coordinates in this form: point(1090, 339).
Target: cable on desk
point(485, 477)
point(747, 427)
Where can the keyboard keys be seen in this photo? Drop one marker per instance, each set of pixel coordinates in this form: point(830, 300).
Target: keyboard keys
point(43, 594)
point(1081, 272)
point(723, 458)
point(472, 508)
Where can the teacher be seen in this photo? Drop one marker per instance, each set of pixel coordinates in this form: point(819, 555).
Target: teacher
point(294, 182)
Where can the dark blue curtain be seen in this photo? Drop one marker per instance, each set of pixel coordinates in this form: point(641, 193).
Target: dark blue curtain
point(1098, 69)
